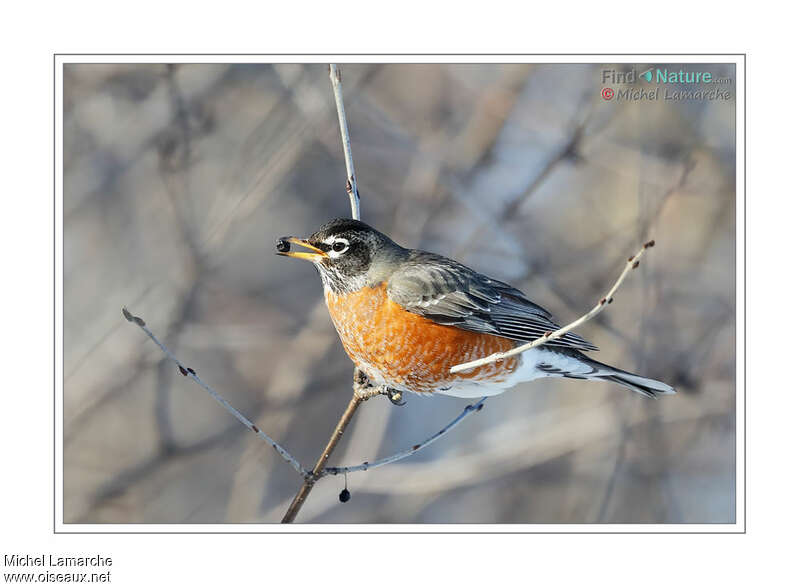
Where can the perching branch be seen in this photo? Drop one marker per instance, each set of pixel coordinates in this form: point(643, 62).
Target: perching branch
point(314, 475)
point(633, 263)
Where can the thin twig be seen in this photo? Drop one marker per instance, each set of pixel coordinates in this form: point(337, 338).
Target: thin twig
point(187, 371)
point(351, 186)
point(403, 454)
point(633, 263)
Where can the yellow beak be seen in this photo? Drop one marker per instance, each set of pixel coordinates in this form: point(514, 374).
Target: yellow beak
point(315, 256)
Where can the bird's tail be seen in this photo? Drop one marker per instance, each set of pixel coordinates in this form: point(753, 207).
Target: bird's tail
point(645, 386)
point(571, 363)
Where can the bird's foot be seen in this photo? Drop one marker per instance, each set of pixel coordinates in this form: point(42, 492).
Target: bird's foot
point(395, 396)
point(363, 387)
point(361, 379)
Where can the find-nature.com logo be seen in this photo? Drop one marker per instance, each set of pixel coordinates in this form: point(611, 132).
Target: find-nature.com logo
point(664, 83)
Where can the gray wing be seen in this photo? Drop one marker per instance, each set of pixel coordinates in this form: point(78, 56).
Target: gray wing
point(450, 293)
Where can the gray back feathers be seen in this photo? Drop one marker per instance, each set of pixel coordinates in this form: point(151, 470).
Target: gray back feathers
point(450, 293)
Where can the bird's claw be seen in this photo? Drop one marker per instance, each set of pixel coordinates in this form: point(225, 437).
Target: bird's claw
point(394, 396)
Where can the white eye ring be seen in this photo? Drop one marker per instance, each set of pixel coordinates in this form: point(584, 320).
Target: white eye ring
point(338, 247)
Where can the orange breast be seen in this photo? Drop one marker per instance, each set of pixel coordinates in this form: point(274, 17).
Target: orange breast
point(408, 351)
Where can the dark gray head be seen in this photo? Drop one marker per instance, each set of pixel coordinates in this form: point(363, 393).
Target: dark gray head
point(349, 254)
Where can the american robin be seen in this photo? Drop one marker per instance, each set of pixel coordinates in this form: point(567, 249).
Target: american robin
point(406, 316)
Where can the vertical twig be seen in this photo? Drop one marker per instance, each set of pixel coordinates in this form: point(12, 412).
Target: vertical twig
point(358, 392)
point(351, 186)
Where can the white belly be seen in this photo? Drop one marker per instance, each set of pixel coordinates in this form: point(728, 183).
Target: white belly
point(527, 371)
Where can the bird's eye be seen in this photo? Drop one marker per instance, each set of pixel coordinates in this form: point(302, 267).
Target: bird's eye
point(339, 246)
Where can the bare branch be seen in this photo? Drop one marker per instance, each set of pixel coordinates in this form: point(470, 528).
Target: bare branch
point(633, 263)
point(351, 186)
point(336, 436)
point(477, 407)
point(187, 371)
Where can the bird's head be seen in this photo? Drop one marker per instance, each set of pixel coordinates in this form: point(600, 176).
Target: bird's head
point(349, 254)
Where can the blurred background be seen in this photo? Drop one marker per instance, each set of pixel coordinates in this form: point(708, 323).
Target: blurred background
point(177, 179)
